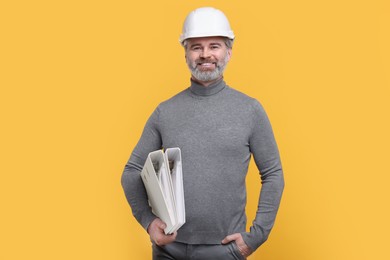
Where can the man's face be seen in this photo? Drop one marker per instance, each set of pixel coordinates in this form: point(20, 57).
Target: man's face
point(207, 57)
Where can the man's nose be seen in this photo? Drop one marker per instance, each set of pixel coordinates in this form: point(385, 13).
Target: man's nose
point(205, 53)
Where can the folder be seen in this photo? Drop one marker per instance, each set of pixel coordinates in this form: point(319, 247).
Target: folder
point(163, 179)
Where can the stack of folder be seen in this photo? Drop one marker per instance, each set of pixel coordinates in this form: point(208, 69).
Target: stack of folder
point(163, 179)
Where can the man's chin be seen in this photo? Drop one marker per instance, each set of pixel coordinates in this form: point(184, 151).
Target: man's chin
point(204, 78)
point(205, 69)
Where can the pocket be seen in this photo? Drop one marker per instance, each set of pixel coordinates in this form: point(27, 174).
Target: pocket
point(235, 251)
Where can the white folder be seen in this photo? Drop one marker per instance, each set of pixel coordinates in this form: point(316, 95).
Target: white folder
point(163, 179)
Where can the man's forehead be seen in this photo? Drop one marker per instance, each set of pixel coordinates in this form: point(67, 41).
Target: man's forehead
point(206, 40)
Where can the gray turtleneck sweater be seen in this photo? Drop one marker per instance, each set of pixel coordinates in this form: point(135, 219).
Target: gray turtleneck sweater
point(217, 129)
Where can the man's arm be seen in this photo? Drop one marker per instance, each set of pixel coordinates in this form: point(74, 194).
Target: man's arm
point(134, 188)
point(131, 179)
point(266, 155)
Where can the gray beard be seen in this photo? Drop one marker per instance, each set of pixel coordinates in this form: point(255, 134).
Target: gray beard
point(208, 75)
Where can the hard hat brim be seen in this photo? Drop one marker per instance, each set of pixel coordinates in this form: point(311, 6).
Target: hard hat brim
point(202, 35)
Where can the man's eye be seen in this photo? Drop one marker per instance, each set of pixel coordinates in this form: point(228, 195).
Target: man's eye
point(196, 48)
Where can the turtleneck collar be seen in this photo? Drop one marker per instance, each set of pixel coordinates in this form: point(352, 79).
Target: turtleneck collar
point(212, 89)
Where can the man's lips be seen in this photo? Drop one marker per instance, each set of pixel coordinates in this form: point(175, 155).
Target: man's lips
point(206, 65)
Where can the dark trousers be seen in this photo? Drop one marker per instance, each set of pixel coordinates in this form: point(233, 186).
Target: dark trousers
point(180, 251)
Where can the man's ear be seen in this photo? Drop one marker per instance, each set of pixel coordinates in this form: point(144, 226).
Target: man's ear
point(230, 53)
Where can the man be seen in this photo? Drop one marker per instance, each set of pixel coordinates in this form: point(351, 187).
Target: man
point(217, 129)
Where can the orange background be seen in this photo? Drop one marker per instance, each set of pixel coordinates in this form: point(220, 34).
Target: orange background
point(80, 78)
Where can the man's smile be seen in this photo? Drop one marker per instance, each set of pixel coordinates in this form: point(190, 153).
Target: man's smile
point(206, 65)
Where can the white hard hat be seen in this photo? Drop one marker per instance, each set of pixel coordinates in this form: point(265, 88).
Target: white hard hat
point(206, 22)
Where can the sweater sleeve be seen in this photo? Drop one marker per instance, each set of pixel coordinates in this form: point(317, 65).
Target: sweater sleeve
point(131, 180)
point(266, 155)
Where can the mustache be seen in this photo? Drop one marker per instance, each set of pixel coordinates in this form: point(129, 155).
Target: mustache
point(203, 60)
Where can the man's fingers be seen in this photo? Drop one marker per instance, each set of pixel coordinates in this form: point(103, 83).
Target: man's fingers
point(162, 225)
point(242, 246)
point(156, 233)
point(165, 239)
point(230, 238)
point(172, 237)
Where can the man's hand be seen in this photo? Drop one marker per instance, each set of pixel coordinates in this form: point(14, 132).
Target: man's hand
point(242, 247)
point(157, 235)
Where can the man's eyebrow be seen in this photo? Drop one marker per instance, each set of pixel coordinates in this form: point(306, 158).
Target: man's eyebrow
point(195, 44)
point(211, 43)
